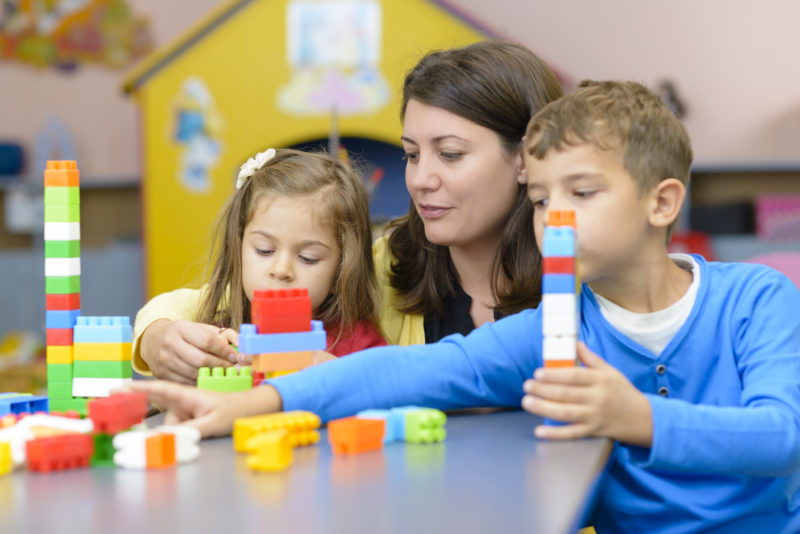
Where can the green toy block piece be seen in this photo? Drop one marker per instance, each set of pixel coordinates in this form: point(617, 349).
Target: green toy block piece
point(62, 213)
point(59, 372)
point(425, 425)
point(62, 249)
point(102, 369)
point(62, 405)
point(220, 379)
point(61, 196)
point(103, 455)
point(59, 389)
point(59, 285)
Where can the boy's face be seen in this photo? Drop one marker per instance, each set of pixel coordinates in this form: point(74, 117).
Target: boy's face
point(613, 233)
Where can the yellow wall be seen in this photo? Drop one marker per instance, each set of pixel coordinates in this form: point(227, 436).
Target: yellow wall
point(243, 63)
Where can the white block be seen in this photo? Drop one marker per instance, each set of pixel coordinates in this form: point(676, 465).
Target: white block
point(62, 266)
point(97, 387)
point(62, 231)
point(559, 348)
point(559, 303)
point(131, 453)
point(559, 325)
point(82, 426)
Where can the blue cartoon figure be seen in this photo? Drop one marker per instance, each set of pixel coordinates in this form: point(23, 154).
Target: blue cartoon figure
point(196, 126)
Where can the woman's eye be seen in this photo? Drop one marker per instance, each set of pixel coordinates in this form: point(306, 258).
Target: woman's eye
point(451, 156)
point(411, 157)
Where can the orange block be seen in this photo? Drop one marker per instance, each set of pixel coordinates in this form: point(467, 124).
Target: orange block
point(561, 218)
point(160, 451)
point(555, 364)
point(283, 361)
point(61, 174)
point(352, 435)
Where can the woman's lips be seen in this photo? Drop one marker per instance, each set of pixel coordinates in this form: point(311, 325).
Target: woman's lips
point(428, 211)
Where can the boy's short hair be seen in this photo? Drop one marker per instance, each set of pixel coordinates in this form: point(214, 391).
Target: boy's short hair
point(625, 116)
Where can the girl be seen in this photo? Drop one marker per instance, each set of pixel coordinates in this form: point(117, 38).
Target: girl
point(296, 220)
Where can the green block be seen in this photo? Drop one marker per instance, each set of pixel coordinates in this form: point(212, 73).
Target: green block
point(425, 425)
point(59, 389)
point(59, 372)
point(96, 369)
point(60, 285)
point(220, 379)
point(103, 455)
point(60, 196)
point(62, 249)
point(62, 405)
point(62, 213)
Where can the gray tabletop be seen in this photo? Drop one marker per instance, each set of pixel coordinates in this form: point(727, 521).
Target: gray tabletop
point(490, 475)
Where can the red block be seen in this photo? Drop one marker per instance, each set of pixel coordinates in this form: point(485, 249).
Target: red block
point(281, 310)
point(59, 336)
point(352, 435)
point(55, 453)
point(118, 412)
point(69, 301)
point(258, 377)
point(558, 265)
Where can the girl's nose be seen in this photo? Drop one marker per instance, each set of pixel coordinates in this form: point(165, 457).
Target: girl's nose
point(281, 269)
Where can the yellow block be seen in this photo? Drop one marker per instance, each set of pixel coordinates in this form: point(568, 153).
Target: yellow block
point(276, 374)
point(5, 458)
point(102, 352)
point(60, 354)
point(272, 451)
point(297, 421)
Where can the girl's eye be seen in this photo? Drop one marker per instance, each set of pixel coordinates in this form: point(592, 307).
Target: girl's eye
point(451, 156)
point(307, 260)
point(264, 252)
point(411, 157)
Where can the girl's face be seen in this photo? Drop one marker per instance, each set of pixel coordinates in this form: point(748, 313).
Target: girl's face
point(462, 182)
point(285, 246)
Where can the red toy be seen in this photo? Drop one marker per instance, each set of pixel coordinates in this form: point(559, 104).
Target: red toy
point(55, 453)
point(276, 311)
point(118, 412)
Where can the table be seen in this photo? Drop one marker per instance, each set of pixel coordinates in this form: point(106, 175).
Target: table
point(490, 475)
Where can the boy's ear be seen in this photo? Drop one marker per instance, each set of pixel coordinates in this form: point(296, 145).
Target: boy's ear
point(522, 175)
point(667, 200)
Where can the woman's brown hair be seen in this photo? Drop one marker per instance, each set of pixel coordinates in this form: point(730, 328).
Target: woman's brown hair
point(340, 200)
point(500, 86)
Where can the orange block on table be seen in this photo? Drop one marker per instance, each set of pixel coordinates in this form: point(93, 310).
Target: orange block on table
point(352, 435)
point(160, 451)
point(282, 361)
point(61, 174)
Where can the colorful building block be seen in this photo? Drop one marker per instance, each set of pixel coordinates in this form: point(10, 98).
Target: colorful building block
point(62, 284)
point(558, 283)
point(160, 451)
point(59, 372)
point(117, 412)
point(97, 387)
point(62, 249)
point(281, 310)
point(55, 453)
point(220, 379)
point(23, 404)
point(272, 451)
point(385, 416)
point(62, 231)
point(102, 352)
point(62, 213)
point(70, 404)
point(61, 174)
point(300, 425)
point(59, 354)
point(102, 369)
point(6, 465)
point(270, 362)
point(57, 195)
point(68, 301)
point(425, 425)
point(252, 343)
point(61, 318)
point(558, 241)
point(59, 337)
point(62, 266)
point(132, 447)
point(103, 455)
point(352, 435)
point(103, 330)
point(558, 264)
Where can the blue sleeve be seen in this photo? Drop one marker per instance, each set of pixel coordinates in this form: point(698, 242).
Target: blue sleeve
point(761, 437)
point(485, 368)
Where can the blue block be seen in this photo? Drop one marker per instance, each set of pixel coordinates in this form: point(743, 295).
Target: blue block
point(558, 283)
point(558, 241)
point(388, 434)
point(61, 318)
point(252, 343)
point(102, 330)
point(397, 420)
point(24, 404)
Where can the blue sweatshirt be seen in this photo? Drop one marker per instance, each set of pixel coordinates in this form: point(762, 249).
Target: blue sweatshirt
point(724, 393)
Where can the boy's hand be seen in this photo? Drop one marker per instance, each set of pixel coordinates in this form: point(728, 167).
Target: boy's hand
point(596, 400)
point(174, 350)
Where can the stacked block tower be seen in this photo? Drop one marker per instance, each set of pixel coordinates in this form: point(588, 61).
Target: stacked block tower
point(560, 291)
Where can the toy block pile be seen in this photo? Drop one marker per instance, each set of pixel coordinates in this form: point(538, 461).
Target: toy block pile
point(271, 438)
point(411, 424)
point(102, 355)
point(282, 337)
point(560, 291)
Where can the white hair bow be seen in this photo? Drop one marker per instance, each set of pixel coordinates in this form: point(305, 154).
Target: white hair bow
point(250, 166)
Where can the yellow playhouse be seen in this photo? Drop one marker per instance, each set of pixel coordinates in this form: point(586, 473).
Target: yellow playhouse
point(267, 73)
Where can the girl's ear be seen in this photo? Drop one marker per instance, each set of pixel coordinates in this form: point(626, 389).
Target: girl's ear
point(667, 200)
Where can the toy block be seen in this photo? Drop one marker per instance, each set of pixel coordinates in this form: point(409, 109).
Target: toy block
point(425, 425)
point(558, 265)
point(258, 377)
point(69, 301)
point(220, 379)
point(54, 422)
point(559, 348)
point(294, 422)
point(18, 404)
point(103, 455)
point(62, 284)
point(97, 387)
point(59, 389)
point(90, 329)
point(561, 218)
point(132, 446)
point(59, 354)
point(558, 324)
point(62, 249)
point(118, 412)
point(272, 451)
point(397, 420)
point(160, 451)
point(6, 465)
point(55, 453)
point(102, 369)
point(61, 318)
point(252, 343)
point(558, 283)
point(62, 213)
point(267, 324)
point(105, 352)
point(558, 241)
point(283, 361)
point(61, 174)
point(62, 266)
point(67, 405)
point(59, 372)
point(281, 310)
point(8, 420)
point(56, 195)
point(560, 303)
point(62, 231)
point(352, 435)
point(276, 374)
point(383, 415)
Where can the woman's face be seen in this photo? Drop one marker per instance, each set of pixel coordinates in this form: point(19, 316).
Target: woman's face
point(461, 180)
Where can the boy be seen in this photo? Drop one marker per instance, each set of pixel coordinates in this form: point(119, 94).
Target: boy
point(699, 379)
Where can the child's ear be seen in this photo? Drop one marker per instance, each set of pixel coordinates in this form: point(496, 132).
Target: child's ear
point(519, 167)
point(667, 200)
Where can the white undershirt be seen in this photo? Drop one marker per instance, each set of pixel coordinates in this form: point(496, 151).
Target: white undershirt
point(655, 330)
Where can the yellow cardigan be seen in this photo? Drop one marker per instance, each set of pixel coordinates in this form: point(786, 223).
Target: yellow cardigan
point(398, 328)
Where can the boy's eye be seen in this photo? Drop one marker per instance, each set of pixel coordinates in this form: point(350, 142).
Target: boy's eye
point(539, 202)
point(307, 260)
point(451, 156)
point(583, 193)
point(411, 157)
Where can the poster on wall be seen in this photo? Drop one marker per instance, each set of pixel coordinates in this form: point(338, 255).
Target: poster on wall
point(65, 34)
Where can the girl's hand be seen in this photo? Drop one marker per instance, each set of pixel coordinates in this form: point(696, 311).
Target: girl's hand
point(595, 400)
point(174, 350)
